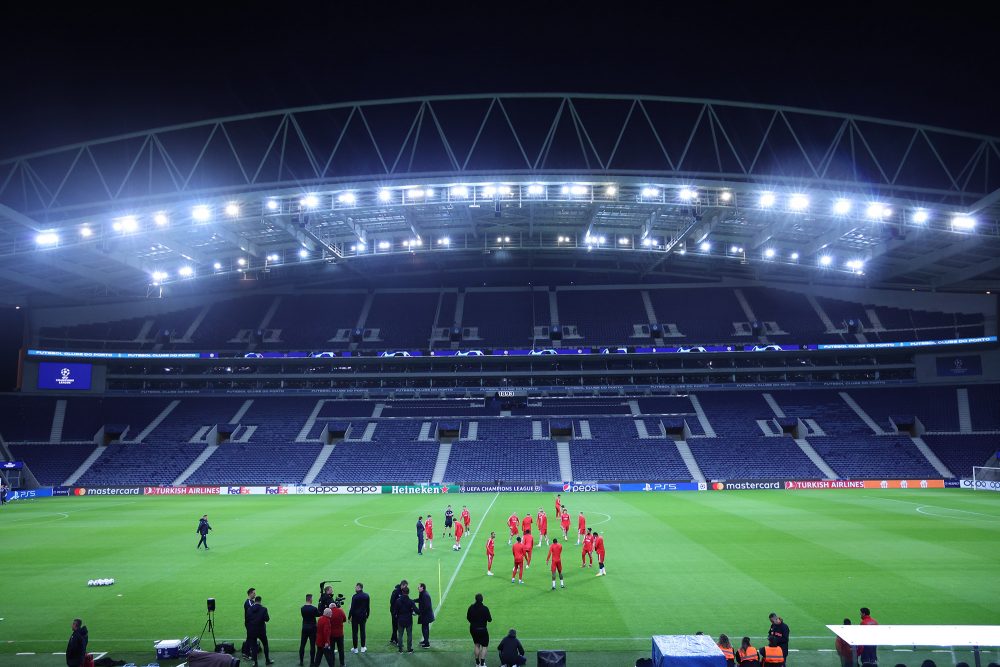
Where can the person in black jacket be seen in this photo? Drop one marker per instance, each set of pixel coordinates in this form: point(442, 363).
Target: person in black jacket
point(478, 616)
point(247, 609)
point(425, 614)
point(325, 596)
point(358, 616)
point(511, 651)
point(392, 609)
point(202, 530)
point(309, 615)
point(258, 631)
point(777, 635)
point(76, 649)
point(405, 609)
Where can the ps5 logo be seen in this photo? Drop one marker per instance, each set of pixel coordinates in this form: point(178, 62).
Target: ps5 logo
point(64, 377)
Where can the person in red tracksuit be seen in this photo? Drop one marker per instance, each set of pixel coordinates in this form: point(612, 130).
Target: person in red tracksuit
point(429, 532)
point(581, 527)
point(490, 545)
point(512, 523)
point(529, 544)
point(459, 529)
point(588, 550)
point(518, 573)
point(555, 557)
point(599, 548)
point(526, 523)
point(564, 521)
point(543, 527)
point(466, 518)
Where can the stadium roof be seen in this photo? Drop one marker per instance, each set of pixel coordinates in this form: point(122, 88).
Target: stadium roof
point(643, 188)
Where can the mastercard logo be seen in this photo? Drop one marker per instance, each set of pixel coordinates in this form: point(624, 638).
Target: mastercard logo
point(79, 492)
point(718, 486)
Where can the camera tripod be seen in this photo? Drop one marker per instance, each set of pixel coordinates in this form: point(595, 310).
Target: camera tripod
point(210, 628)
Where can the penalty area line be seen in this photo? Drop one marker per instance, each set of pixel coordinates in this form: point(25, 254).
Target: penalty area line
point(482, 522)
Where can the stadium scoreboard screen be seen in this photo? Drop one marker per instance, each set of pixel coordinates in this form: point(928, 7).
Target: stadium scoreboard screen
point(64, 376)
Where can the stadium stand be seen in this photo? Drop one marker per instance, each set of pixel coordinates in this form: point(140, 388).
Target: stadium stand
point(502, 318)
point(504, 450)
point(601, 317)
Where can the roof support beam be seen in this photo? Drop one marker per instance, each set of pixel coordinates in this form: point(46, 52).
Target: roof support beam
point(37, 283)
point(304, 236)
point(967, 273)
point(243, 243)
point(929, 259)
point(987, 201)
point(19, 218)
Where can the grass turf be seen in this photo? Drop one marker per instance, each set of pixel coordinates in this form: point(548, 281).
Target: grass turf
point(677, 563)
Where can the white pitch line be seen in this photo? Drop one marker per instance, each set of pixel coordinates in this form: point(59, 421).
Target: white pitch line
point(482, 522)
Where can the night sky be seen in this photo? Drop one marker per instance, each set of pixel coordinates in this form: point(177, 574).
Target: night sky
point(93, 71)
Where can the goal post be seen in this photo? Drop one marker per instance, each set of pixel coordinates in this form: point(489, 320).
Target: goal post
point(985, 474)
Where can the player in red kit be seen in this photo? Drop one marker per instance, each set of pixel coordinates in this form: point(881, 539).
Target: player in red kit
point(489, 553)
point(429, 532)
point(466, 519)
point(513, 522)
point(564, 520)
point(518, 572)
point(588, 549)
point(529, 544)
point(526, 523)
point(459, 529)
point(581, 527)
point(558, 504)
point(555, 557)
point(543, 527)
point(599, 548)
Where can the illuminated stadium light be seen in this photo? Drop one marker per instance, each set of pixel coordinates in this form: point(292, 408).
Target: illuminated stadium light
point(842, 206)
point(86, 232)
point(347, 198)
point(705, 246)
point(444, 241)
point(272, 204)
point(921, 216)
point(610, 191)
point(963, 222)
point(623, 241)
point(877, 211)
point(735, 249)
point(361, 246)
point(406, 243)
point(201, 213)
point(681, 251)
point(647, 242)
point(578, 190)
point(650, 193)
point(460, 191)
point(429, 192)
point(825, 260)
point(233, 209)
point(767, 199)
point(47, 238)
point(309, 201)
point(770, 253)
point(855, 264)
point(161, 219)
point(536, 189)
point(726, 195)
point(414, 193)
point(384, 245)
point(303, 253)
point(272, 258)
point(384, 195)
point(562, 239)
point(217, 266)
point(490, 191)
point(185, 272)
point(798, 202)
point(687, 194)
point(602, 239)
point(241, 262)
point(159, 276)
point(126, 224)
point(794, 256)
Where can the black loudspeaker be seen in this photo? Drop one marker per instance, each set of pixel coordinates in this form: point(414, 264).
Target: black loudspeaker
point(655, 330)
point(854, 326)
point(211, 604)
point(455, 334)
point(356, 335)
point(225, 647)
point(552, 659)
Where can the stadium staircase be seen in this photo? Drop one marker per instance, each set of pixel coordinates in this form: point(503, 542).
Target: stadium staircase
point(640, 427)
point(932, 458)
point(565, 461)
point(59, 418)
point(200, 459)
point(157, 421)
point(441, 464)
point(859, 411)
point(817, 460)
point(824, 318)
point(318, 464)
point(964, 414)
point(706, 426)
point(689, 460)
point(584, 433)
point(303, 435)
point(85, 466)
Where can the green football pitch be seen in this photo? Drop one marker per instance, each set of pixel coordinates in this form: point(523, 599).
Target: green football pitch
point(677, 563)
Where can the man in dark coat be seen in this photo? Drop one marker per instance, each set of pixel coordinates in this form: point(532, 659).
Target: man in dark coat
point(405, 609)
point(247, 609)
point(309, 615)
point(420, 536)
point(392, 609)
point(257, 628)
point(425, 614)
point(358, 615)
point(202, 530)
point(76, 649)
point(511, 651)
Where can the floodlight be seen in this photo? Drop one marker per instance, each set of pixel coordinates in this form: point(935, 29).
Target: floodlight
point(705, 246)
point(185, 272)
point(767, 199)
point(47, 238)
point(490, 191)
point(963, 222)
point(687, 194)
point(272, 204)
point(309, 201)
point(681, 251)
point(650, 193)
point(610, 191)
point(504, 189)
point(578, 190)
point(444, 241)
point(361, 246)
point(129, 224)
point(303, 253)
point(429, 192)
point(233, 209)
point(217, 266)
point(842, 206)
point(241, 262)
point(272, 257)
point(384, 195)
point(798, 202)
point(825, 260)
point(159, 276)
point(460, 191)
point(347, 198)
point(602, 239)
point(384, 245)
point(734, 249)
point(201, 213)
point(86, 232)
point(161, 219)
point(414, 193)
point(921, 216)
point(855, 264)
point(623, 241)
point(877, 211)
point(506, 239)
point(535, 189)
point(117, 226)
point(647, 242)
point(726, 195)
point(794, 256)
point(769, 253)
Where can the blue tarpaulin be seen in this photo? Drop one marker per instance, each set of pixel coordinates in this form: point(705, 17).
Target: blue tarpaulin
point(686, 651)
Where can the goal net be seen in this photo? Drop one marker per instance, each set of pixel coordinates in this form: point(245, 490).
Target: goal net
point(985, 474)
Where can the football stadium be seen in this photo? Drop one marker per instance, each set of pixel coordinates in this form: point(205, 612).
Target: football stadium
point(752, 347)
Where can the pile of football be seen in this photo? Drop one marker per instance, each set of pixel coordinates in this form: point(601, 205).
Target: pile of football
point(100, 582)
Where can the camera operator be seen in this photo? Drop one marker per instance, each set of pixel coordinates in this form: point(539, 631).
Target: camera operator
point(309, 615)
point(358, 614)
point(325, 596)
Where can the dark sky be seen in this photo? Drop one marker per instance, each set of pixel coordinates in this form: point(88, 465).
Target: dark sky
point(91, 72)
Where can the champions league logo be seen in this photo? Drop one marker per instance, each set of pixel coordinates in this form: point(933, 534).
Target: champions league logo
point(64, 377)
